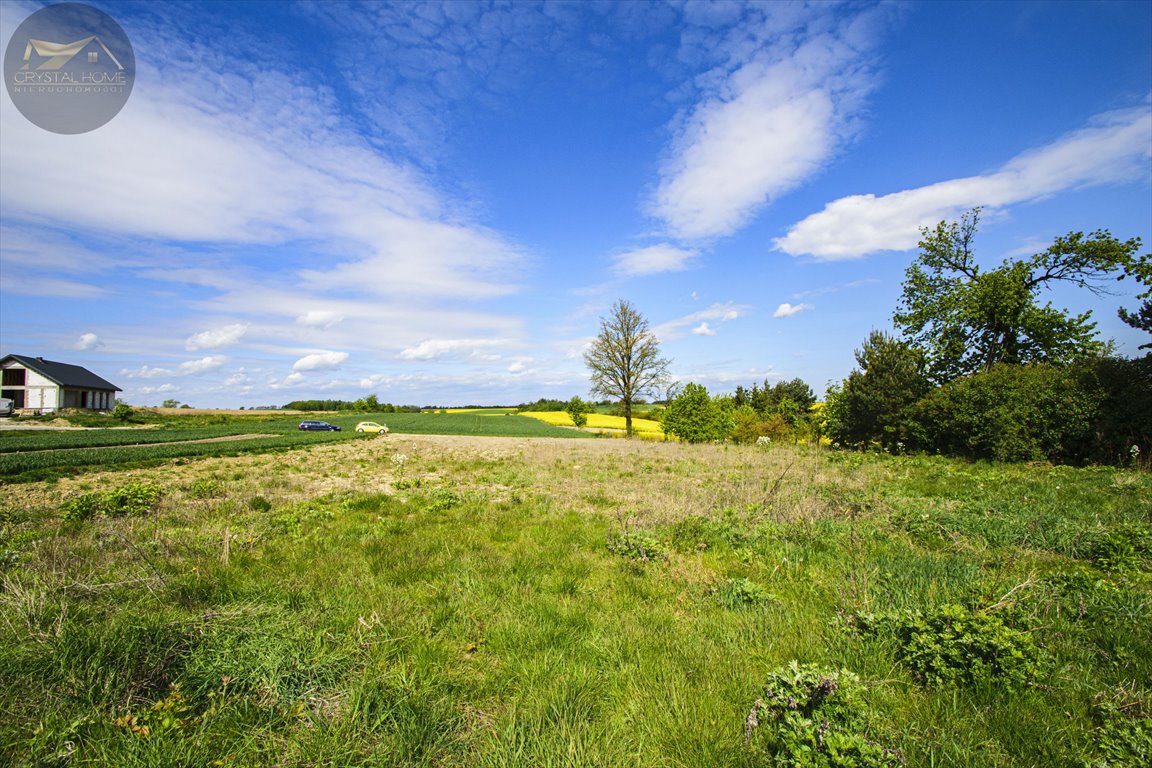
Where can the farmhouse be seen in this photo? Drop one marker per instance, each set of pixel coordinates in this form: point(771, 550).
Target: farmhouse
point(42, 386)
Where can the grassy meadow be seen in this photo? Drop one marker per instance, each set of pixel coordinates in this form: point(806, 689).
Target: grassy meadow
point(426, 600)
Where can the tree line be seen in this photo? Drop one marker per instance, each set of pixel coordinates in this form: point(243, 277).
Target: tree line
point(977, 366)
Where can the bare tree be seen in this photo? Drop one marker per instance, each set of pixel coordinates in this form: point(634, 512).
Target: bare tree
point(625, 359)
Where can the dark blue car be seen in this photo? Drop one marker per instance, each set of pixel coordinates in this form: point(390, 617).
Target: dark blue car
point(318, 426)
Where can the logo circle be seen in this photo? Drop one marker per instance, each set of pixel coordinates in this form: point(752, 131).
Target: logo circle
point(69, 68)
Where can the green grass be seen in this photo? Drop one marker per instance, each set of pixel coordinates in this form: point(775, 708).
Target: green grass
point(481, 614)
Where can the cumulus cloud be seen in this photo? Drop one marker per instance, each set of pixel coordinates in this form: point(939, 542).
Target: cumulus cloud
point(788, 310)
point(210, 363)
point(766, 125)
point(217, 337)
point(319, 318)
point(88, 341)
point(704, 330)
point(1115, 147)
point(653, 259)
point(320, 361)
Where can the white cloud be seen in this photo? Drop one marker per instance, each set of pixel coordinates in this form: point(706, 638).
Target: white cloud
point(320, 361)
point(654, 259)
point(704, 330)
point(160, 390)
point(187, 368)
point(768, 125)
point(88, 341)
point(257, 157)
point(217, 337)
point(431, 349)
point(320, 318)
point(1115, 147)
point(145, 372)
point(788, 310)
point(191, 367)
point(675, 329)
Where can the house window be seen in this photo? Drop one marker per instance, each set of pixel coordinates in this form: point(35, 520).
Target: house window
point(14, 377)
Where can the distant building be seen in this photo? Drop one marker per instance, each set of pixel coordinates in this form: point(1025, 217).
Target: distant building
point(43, 386)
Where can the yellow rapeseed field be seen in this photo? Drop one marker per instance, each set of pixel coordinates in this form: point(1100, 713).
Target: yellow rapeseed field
point(646, 428)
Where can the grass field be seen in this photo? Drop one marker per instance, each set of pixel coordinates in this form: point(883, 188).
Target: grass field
point(35, 454)
point(420, 600)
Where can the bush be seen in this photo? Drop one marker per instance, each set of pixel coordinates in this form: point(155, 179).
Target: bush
point(1011, 413)
point(814, 719)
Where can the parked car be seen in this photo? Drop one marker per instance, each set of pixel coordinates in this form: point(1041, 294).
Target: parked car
point(318, 426)
point(6, 406)
point(371, 426)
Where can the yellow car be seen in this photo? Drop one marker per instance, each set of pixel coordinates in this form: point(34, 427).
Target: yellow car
point(371, 426)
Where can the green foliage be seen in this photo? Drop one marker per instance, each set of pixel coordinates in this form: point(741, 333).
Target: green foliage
point(132, 499)
point(1140, 269)
point(624, 361)
point(542, 405)
point(695, 417)
point(1011, 413)
point(875, 401)
point(122, 412)
point(259, 504)
point(811, 718)
point(205, 488)
point(578, 410)
point(1123, 736)
point(636, 544)
point(966, 319)
point(741, 593)
point(952, 645)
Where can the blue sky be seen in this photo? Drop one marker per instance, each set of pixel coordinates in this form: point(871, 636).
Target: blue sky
point(437, 202)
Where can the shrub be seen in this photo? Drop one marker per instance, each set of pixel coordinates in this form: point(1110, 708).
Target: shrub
point(812, 718)
point(1011, 413)
point(954, 645)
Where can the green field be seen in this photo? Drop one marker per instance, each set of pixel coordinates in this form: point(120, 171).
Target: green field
point(409, 601)
point(33, 454)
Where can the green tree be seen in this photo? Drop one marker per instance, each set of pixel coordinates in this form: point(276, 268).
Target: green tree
point(874, 401)
point(170, 403)
point(966, 319)
point(578, 410)
point(1141, 270)
point(624, 360)
point(695, 417)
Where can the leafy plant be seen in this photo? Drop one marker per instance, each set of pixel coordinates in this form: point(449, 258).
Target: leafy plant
point(954, 645)
point(635, 544)
point(135, 498)
point(813, 718)
point(741, 593)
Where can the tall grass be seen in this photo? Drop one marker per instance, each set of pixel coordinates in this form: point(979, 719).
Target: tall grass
point(463, 608)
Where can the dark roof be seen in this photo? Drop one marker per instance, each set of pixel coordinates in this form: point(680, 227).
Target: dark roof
point(63, 374)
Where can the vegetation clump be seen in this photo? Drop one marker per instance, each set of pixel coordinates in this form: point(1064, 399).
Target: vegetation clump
point(811, 718)
point(952, 645)
point(635, 544)
point(135, 498)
